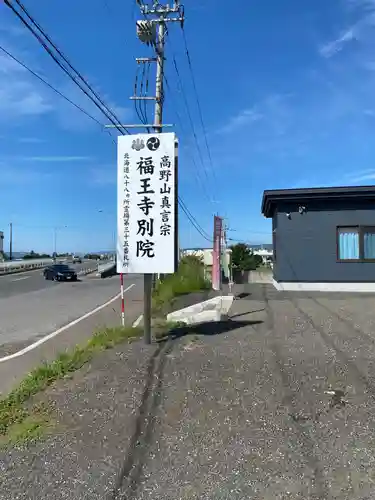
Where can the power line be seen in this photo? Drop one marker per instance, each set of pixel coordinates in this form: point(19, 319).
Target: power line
point(62, 55)
point(189, 114)
point(193, 220)
point(182, 91)
point(179, 119)
point(147, 84)
point(97, 100)
point(137, 105)
point(181, 203)
point(198, 102)
point(52, 88)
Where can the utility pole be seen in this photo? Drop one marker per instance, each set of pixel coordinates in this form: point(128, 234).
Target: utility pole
point(10, 241)
point(54, 240)
point(155, 17)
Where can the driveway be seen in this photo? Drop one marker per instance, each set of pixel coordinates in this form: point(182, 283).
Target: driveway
point(276, 403)
point(281, 406)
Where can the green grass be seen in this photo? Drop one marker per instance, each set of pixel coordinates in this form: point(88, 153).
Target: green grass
point(34, 426)
point(19, 420)
point(188, 278)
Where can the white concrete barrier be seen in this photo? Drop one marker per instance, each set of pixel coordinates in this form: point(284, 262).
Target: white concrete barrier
point(105, 268)
point(16, 266)
point(215, 309)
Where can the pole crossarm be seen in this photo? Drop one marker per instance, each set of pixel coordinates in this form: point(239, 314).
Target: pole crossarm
point(152, 31)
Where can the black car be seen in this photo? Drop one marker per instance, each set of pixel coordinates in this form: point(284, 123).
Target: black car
point(60, 272)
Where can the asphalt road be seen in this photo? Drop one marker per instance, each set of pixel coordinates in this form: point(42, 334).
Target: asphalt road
point(45, 306)
point(29, 281)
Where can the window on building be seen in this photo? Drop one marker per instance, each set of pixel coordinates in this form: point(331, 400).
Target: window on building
point(274, 245)
point(356, 243)
point(369, 243)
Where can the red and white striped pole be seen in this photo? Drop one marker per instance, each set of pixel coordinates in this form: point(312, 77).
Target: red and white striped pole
point(122, 299)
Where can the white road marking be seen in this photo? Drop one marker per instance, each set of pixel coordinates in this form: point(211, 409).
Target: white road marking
point(21, 279)
point(137, 321)
point(62, 329)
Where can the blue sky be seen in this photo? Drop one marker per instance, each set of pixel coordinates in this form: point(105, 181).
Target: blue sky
point(287, 91)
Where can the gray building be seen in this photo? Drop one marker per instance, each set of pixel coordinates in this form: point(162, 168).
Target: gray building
point(323, 238)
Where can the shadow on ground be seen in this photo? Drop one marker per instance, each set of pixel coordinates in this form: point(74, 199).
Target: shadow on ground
point(209, 328)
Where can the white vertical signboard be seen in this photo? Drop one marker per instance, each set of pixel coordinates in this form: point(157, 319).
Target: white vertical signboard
point(146, 203)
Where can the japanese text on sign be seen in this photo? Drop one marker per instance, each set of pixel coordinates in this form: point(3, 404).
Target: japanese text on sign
point(146, 203)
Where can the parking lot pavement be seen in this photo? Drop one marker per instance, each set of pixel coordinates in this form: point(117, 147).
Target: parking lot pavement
point(278, 402)
point(281, 406)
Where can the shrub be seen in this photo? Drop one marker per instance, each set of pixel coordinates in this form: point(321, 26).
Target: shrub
point(188, 278)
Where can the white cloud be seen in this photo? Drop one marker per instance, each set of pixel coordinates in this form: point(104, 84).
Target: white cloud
point(271, 116)
point(332, 48)
point(71, 118)
point(19, 97)
point(360, 31)
point(361, 176)
point(244, 117)
point(22, 95)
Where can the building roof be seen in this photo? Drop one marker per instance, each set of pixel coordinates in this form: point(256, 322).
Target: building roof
point(274, 196)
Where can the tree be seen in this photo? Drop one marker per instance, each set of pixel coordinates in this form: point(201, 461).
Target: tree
point(93, 256)
point(34, 255)
point(243, 258)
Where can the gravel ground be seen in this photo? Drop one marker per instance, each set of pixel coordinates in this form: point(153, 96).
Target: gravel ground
point(276, 403)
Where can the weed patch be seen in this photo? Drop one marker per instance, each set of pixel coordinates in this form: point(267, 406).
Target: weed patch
point(19, 420)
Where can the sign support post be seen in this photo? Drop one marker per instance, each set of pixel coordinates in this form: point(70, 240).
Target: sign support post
point(147, 177)
point(158, 120)
point(162, 15)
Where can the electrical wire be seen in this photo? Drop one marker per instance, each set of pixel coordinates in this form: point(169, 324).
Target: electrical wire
point(142, 115)
point(106, 111)
point(142, 94)
point(193, 221)
point(181, 124)
point(192, 216)
point(198, 102)
point(55, 90)
point(182, 90)
point(137, 106)
point(183, 206)
point(147, 84)
point(62, 55)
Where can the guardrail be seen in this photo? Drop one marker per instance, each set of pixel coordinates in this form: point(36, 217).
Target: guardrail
point(16, 266)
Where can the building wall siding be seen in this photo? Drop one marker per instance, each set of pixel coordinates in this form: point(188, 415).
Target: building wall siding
point(305, 244)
